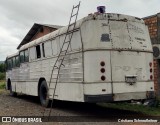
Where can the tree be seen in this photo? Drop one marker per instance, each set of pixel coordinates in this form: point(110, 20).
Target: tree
point(2, 68)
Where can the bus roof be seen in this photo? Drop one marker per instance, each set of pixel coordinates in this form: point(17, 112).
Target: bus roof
point(106, 16)
point(61, 31)
point(12, 55)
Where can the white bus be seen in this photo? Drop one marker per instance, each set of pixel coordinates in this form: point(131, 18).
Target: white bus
point(109, 59)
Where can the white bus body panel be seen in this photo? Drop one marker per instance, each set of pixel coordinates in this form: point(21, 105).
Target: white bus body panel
point(122, 42)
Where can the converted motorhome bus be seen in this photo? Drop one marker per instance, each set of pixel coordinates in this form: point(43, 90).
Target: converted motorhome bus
point(109, 59)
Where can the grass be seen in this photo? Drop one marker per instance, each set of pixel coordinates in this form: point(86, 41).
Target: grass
point(152, 111)
point(2, 84)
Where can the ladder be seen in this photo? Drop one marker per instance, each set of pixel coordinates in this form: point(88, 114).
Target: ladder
point(63, 51)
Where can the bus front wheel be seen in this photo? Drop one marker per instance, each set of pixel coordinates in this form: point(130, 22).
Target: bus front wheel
point(43, 91)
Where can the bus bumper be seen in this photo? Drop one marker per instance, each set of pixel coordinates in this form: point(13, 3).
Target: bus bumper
point(98, 98)
point(134, 96)
point(119, 97)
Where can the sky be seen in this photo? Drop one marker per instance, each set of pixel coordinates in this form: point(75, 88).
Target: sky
point(18, 16)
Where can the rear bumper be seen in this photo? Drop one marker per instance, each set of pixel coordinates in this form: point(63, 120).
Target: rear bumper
point(119, 97)
point(98, 98)
point(134, 96)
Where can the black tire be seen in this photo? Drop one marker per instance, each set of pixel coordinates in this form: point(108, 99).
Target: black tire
point(43, 93)
point(14, 94)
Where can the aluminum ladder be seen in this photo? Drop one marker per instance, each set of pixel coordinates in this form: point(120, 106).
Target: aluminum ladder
point(63, 51)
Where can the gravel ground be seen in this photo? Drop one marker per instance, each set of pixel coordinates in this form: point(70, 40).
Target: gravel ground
point(30, 106)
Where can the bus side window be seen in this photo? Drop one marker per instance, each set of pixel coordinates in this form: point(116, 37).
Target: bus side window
point(17, 61)
point(26, 56)
point(9, 62)
point(38, 51)
point(43, 50)
point(14, 62)
point(22, 57)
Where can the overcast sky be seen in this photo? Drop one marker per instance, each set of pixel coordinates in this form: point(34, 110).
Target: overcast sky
point(18, 16)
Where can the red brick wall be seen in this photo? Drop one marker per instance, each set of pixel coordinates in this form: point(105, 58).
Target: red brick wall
point(43, 32)
point(152, 26)
point(151, 22)
point(156, 74)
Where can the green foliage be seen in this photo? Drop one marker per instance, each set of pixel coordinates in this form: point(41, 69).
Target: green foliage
point(2, 85)
point(2, 76)
point(2, 71)
point(2, 68)
point(153, 111)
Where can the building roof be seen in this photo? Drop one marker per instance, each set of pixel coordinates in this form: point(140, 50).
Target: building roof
point(33, 31)
point(151, 16)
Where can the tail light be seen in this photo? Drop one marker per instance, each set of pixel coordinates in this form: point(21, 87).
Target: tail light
point(150, 64)
point(151, 70)
point(103, 70)
point(102, 63)
point(151, 77)
point(103, 78)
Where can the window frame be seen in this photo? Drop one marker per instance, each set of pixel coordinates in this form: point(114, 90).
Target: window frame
point(20, 57)
point(26, 59)
point(38, 48)
point(24, 56)
point(17, 62)
point(9, 64)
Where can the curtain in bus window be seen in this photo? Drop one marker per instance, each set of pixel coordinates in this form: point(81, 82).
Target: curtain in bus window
point(17, 61)
point(22, 57)
point(26, 58)
point(48, 48)
point(14, 62)
point(55, 46)
point(9, 61)
point(32, 53)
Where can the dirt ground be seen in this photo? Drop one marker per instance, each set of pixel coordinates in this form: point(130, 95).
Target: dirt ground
point(65, 112)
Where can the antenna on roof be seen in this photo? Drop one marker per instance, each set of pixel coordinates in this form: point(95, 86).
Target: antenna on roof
point(101, 9)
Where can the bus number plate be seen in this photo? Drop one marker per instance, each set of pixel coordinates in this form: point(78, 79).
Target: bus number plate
point(131, 79)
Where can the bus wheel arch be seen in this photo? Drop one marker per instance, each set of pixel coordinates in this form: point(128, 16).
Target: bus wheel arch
point(42, 92)
point(9, 87)
point(8, 84)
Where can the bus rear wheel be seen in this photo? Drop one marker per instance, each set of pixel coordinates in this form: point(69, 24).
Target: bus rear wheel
point(43, 93)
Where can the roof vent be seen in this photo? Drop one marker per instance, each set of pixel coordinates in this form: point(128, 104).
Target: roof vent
point(101, 9)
